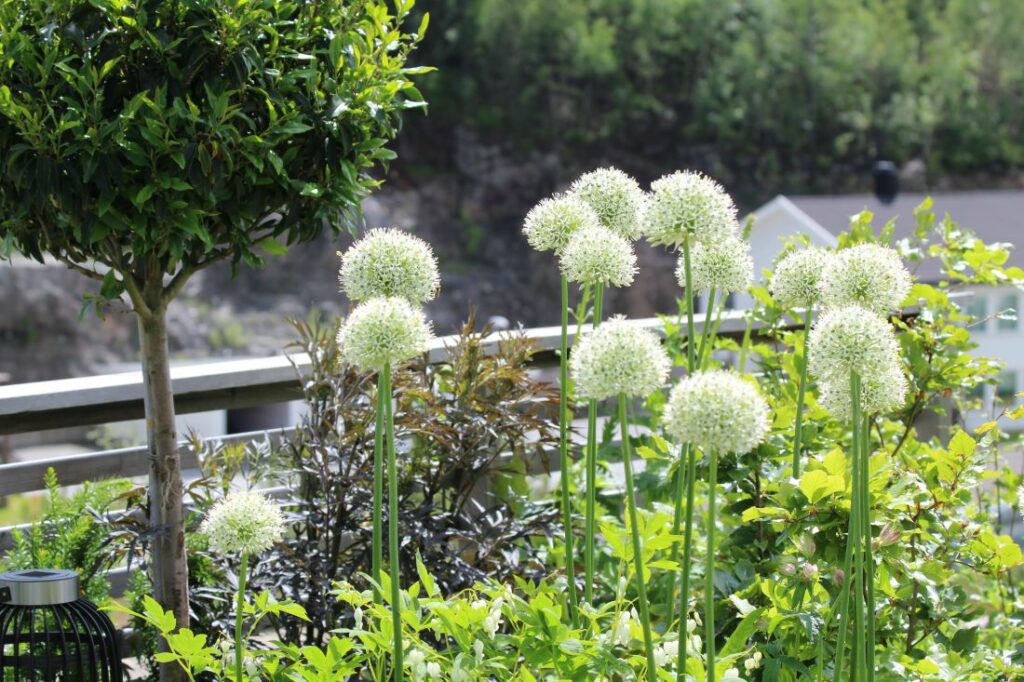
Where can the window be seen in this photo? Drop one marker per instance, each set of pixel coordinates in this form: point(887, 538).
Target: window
point(1006, 388)
point(978, 310)
point(1009, 305)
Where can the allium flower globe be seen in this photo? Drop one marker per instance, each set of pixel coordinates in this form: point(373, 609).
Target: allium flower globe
point(717, 411)
point(797, 277)
point(868, 275)
point(243, 523)
point(725, 266)
point(881, 392)
point(551, 223)
point(389, 262)
point(383, 331)
point(851, 339)
point(618, 358)
point(616, 198)
point(691, 203)
point(597, 256)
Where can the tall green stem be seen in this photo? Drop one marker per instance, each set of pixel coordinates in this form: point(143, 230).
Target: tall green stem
point(239, 609)
point(397, 668)
point(798, 429)
point(869, 560)
point(842, 601)
point(638, 556)
point(709, 569)
point(684, 591)
point(856, 536)
point(563, 450)
point(706, 333)
point(745, 345)
point(378, 486)
point(591, 464)
point(682, 483)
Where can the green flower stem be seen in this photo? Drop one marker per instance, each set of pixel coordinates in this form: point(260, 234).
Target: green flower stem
point(858, 550)
point(869, 560)
point(841, 600)
point(681, 482)
point(708, 324)
point(684, 592)
point(591, 464)
point(378, 487)
point(239, 608)
point(397, 668)
point(798, 429)
point(709, 569)
point(745, 345)
point(638, 556)
point(563, 449)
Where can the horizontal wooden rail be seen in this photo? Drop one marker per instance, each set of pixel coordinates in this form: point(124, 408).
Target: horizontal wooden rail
point(231, 384)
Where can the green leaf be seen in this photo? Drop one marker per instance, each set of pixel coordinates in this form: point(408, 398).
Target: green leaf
point(143, 195)
point(817, 485)
point(755, 513)
point(112, 287)
point(272, 246)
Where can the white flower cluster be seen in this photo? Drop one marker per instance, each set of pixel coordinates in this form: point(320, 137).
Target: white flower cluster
point(383, 331)
point(616, 198)
point(688, 203)
point(550, 224)
point(389, 262)
point(880, 392)
point(754, 662)
point(243, 523)
point(618, 358)
point(621, 634)
point(797, 277)
point(868, 275)
point(717, 411)
point(724, 265)
point(420, 668)
point(595, 256)
point(492, 621)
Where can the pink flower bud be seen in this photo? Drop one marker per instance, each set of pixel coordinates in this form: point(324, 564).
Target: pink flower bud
point(810, 571)
point(787, 568)
point(840, 576)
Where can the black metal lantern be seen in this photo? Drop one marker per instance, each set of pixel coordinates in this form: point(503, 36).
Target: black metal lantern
point(47, 632)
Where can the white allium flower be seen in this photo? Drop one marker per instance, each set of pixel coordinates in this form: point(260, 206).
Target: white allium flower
point(851, 339)
point(717, 411)
point(597, 256)
point(389, 262)
point(618, 358)
point(383, 331)
point(725, 265)
point(243, 523)
point(797, 277)
point(691, 203)
point(616, 198)
point(868, 275)
point(551, 223)
point(881, 391)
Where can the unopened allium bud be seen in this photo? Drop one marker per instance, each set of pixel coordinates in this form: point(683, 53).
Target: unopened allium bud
point(810, 571)
point(797, 277)
point(551, 223)
point(618, 358)
point(717, 411)
point(389, 262)
point(244, 523)
point(889, 535)
point(595, 256)
point(383, 331)
point(617, 200)
point(867, 275)
point(688, 203)
point(840, 576)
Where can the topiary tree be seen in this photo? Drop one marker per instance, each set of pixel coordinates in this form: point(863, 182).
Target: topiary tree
point(144, 140)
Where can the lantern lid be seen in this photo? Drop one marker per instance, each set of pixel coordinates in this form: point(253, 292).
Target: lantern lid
point(38, 587)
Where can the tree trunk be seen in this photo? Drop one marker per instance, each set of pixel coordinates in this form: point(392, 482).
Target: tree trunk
point(168, 568)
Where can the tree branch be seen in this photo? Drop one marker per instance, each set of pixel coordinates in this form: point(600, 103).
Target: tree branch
point(92, 274)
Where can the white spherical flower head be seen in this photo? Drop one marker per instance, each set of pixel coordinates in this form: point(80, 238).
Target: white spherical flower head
point(725, 266)
point(868, 275)
point(616, 198)
point(243, 523)
point(880, 393)
point(598, 256)
point(389, 262)
point(618, 358)
point(797, 277)
point(717, 411)
point(551, 223)
point(383, 331)
point(851, 339)
point(688, 203)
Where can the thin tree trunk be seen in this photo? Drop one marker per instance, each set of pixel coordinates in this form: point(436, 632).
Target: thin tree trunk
point(168, 568)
